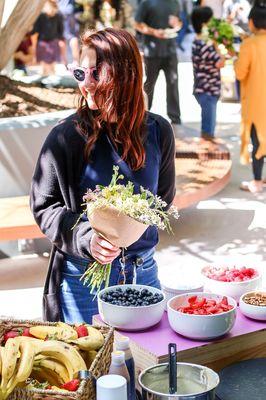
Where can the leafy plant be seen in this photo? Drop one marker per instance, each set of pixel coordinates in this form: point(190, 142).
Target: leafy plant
point(219, 31)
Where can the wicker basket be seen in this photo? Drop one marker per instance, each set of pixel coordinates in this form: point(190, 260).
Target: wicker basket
point(86, 390)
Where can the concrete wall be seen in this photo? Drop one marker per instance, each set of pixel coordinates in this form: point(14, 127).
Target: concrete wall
point(21, 139)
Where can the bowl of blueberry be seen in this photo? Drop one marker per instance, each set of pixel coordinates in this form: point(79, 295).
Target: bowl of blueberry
point(131, 307)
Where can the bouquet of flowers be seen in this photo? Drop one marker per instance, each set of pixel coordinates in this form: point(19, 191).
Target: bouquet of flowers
point(121, 216)
point(220, 32)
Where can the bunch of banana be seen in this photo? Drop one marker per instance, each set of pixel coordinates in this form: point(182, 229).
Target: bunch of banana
point(61, 331)
point(53, 367)
point(9, 361)
point(27, 348)
point(56, 360)
point(65, 354)
point(23, 356)
point(94, 340)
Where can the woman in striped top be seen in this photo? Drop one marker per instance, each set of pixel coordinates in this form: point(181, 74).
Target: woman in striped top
point(207, 63)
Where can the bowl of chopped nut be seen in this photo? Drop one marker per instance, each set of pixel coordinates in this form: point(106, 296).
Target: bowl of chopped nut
point(253, 304)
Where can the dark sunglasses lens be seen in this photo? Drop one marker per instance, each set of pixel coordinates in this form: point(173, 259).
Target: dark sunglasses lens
point(79, 74)
point(94, 74)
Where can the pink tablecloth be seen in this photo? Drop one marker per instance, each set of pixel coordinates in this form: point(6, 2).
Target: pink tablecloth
point(157, 338)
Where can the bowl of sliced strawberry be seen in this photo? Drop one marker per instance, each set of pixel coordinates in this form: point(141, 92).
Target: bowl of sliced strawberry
point(231, 280)
point(201, 316)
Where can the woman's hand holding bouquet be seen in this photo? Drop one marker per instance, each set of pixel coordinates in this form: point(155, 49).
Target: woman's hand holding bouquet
point(102, 250)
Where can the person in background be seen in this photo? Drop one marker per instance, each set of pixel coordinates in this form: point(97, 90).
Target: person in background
point(49, 30)
point(71, 31)
point(215, 5)
point(153, 19)
point(236, 12)
point(186, 7)
point(207, 63)
point(24, 54)
point(113, 14)
point(111, 127)
point(250, 69)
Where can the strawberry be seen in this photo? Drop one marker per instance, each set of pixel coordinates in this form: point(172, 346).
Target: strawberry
point(82, 331)
point(72, 386)
point(10, 334)
point(26, 332)
point(192, 299)
point(224, 301)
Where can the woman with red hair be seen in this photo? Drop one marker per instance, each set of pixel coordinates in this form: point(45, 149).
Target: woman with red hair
point(110, 127)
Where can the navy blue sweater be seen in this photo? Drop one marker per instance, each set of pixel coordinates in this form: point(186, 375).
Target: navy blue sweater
point(62, 176)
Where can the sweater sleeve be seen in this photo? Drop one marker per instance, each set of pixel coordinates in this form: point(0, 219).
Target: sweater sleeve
point(166, 185)
point(242, 65)
point(52, 199)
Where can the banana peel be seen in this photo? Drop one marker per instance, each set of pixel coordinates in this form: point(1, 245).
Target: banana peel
point(94, 340)
point(55, 367)
point(43, 375)
point(58, 389)
point(61, 331)
point(89, 357)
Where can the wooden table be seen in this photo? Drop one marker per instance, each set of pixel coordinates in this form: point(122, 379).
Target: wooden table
point(16, 220)
point(246, 340)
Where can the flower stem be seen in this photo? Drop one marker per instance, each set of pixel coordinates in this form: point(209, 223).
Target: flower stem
point(96, 276)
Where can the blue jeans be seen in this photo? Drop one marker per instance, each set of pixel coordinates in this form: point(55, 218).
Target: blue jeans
point(208, 104)
point(78, 304)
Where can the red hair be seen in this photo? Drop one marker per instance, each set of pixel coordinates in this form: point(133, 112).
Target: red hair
point(120, 85)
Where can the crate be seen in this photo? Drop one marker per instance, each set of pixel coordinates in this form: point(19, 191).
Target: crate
point(86, 390)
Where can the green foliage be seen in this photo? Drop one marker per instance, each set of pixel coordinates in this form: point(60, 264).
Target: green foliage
point(220, 32)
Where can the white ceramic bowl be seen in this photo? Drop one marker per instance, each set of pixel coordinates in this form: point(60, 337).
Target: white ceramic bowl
point(131, 318)
point(202, 327)
point(171, 292)
point(231, 289)
point(252, 311)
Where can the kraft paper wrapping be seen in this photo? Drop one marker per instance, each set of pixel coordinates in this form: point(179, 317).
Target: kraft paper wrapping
point(117, 228)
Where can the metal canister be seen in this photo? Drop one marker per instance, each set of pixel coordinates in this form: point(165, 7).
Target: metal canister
point(194, 382)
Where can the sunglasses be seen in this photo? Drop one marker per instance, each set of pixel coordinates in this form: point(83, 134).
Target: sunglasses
point(79, 73)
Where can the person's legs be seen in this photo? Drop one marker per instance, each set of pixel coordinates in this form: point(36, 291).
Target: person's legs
point(76, 302)
point(256, 185)
point(208, 106)
point(257, 164)
point(169, 66)
point(183, 31)
point(152, 68)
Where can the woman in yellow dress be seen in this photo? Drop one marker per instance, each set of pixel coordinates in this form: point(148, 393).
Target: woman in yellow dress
point(250, 69)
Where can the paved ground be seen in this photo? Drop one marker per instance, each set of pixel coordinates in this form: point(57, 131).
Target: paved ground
point(227, 228)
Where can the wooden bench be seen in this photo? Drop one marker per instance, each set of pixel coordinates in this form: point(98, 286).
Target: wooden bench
point(202, 170)
point(16, 220)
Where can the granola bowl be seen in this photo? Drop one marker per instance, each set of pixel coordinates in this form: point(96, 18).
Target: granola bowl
point(253, 305)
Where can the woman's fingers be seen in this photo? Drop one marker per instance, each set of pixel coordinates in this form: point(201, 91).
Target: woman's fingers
point(105, 244)
point(103, 259)
point(102, 250)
